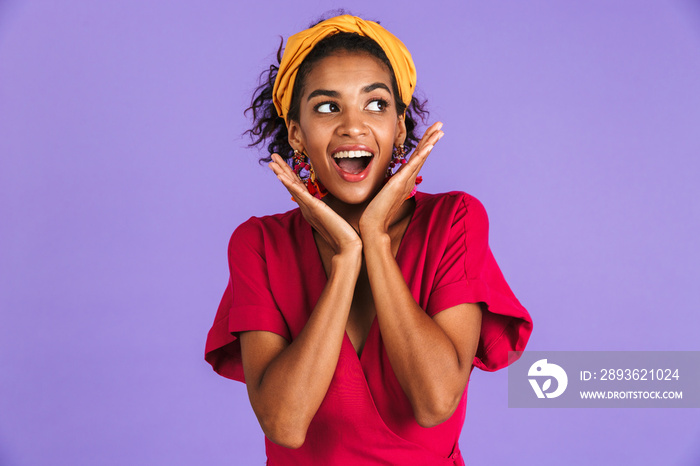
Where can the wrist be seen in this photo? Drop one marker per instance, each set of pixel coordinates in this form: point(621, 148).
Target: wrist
point(375, 241)
point(349, 261)
point(371, 227)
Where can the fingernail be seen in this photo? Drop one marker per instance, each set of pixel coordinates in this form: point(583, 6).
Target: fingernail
point(440, 135)
point(439, 125)
point(429, 147)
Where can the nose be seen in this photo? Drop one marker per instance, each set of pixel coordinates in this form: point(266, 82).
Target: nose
point(352, 123)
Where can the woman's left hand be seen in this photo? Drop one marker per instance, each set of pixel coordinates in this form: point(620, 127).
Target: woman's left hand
point(379, 214)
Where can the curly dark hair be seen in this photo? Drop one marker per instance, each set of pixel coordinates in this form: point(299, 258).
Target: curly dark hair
point(270, 130)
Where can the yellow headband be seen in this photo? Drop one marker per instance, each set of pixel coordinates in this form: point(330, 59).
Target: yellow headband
point(301, 43)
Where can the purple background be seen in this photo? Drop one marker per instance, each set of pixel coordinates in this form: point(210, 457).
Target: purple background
point(123, 173)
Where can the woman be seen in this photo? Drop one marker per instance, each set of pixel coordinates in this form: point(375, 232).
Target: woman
point(355, 320)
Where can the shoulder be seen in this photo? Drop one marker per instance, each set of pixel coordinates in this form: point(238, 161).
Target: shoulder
point(257, 230)
point(456, 206)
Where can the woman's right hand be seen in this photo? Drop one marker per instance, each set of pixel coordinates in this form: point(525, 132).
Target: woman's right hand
point(288, 381)
point(339, 234)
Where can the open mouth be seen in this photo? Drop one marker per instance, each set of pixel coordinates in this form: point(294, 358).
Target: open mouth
point(353, 161)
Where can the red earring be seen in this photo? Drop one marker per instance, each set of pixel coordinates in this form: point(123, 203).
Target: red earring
point(398, 158)
point(302, 167)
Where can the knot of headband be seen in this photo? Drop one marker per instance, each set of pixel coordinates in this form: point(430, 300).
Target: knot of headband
point(300, 44)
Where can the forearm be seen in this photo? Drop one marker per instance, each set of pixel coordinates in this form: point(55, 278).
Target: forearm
point(287, 393)
point(424, 359)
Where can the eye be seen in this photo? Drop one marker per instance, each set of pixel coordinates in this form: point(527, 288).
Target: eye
point(326, 107)
point(377, 105)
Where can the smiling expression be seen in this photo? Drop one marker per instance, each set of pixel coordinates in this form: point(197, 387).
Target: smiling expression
point(348, 125)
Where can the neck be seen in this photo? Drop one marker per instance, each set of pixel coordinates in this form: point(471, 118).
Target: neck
point(351, 213)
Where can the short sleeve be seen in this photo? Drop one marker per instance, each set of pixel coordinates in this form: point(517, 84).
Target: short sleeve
point(247, 303)
point(468, 273)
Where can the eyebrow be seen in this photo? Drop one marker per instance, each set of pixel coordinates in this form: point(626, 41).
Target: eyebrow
point(374, 86)
point(336, 94)
point(323, 92)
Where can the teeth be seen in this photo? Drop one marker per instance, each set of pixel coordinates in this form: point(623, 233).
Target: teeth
point(352, 154)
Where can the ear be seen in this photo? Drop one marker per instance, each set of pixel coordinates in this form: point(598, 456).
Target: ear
point(400, 130)
point(295, 137)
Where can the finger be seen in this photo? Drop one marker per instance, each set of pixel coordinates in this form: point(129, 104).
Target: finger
point(279, 165)
point(287, 180)
point(284, 165)
point(297, 189)
point(424, 148)
point(282, 168)
point(291, 182)
point(274, 166)
point(431, 136)
point(285, 174)
point(434, 129)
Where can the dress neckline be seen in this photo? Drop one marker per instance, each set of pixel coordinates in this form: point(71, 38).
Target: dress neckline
point(316, 274)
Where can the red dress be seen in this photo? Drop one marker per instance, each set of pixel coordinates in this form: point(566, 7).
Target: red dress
point(276, 279)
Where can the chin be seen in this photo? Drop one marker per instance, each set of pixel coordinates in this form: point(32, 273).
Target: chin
point(361, 193)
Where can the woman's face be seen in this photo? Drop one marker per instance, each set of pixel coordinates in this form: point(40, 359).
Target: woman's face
point(348, 124)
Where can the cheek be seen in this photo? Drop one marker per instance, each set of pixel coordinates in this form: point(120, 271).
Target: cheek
point(315, 134)
point(392, 132)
